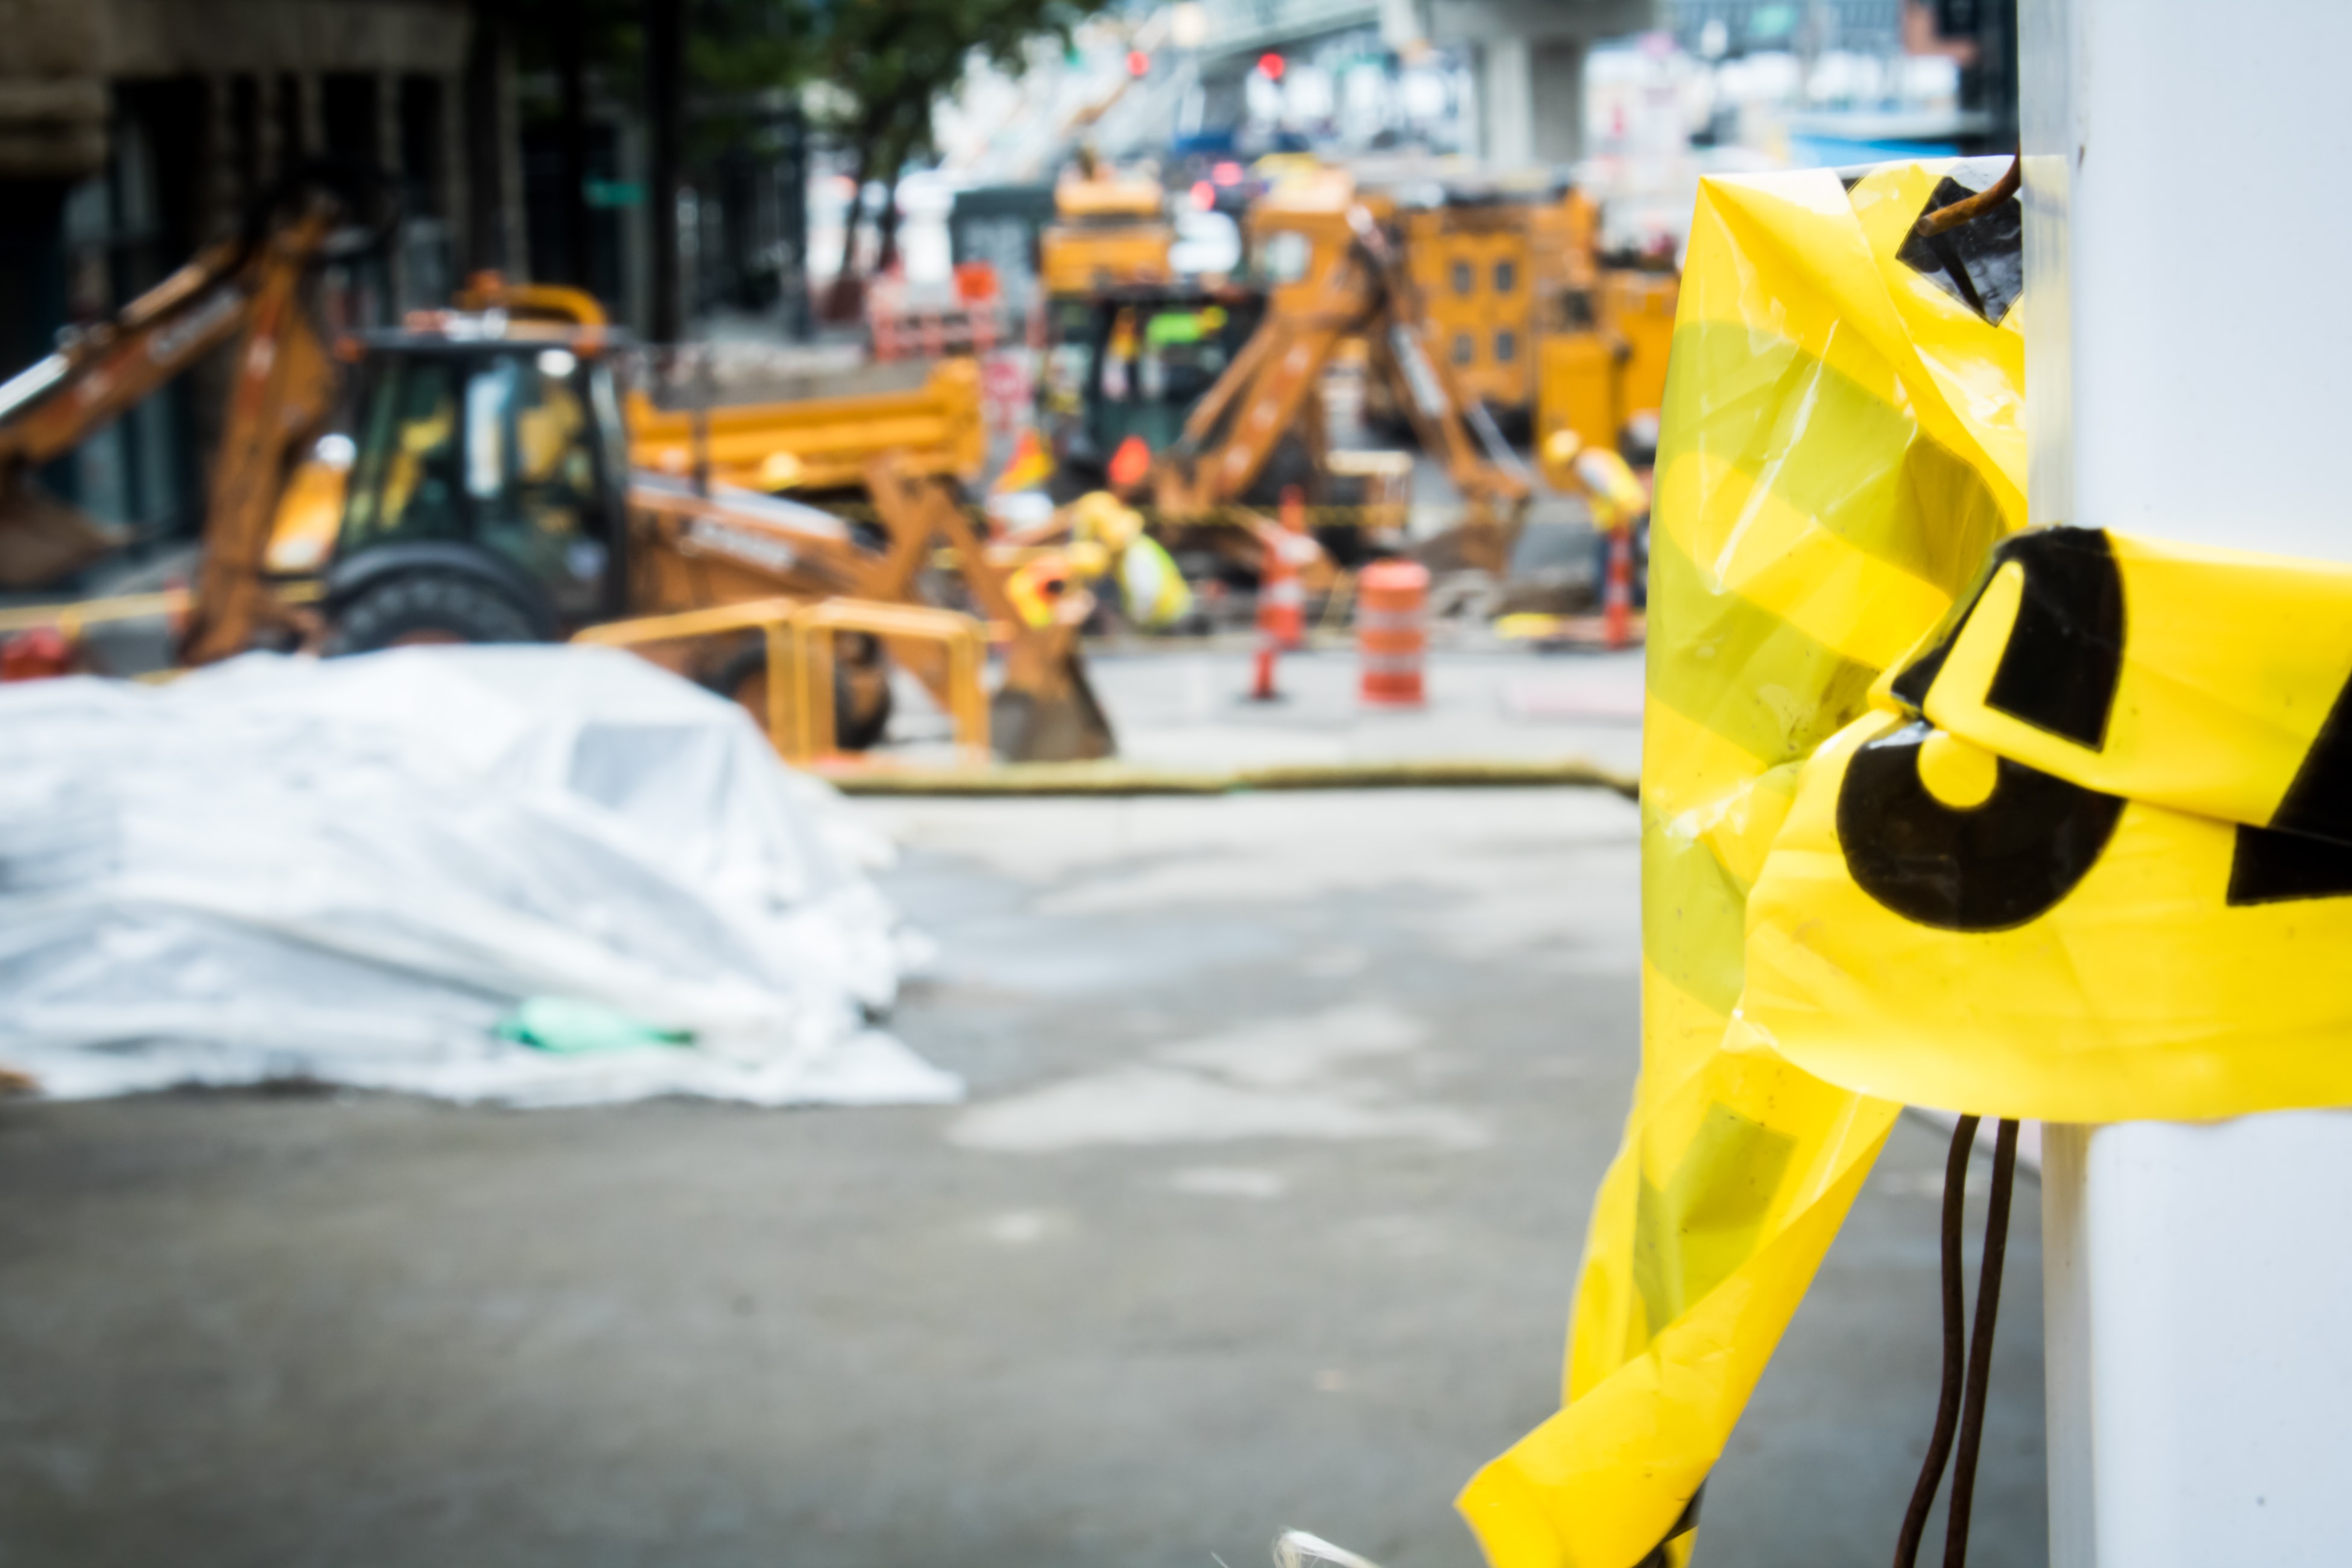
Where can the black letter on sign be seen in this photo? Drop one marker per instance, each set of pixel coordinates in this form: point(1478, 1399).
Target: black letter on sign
point(2267, 866)
point(2307, 850)
point(1999, 864)
point(2064, 656)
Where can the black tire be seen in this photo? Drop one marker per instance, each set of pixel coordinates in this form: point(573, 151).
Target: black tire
point(425, 607)
point(861, 690)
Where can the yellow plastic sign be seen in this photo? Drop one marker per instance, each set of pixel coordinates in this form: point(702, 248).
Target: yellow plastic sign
point(1843, 446)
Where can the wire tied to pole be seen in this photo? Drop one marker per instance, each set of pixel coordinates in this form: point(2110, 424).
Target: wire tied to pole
point(1967, 1370)
point(1967, 209)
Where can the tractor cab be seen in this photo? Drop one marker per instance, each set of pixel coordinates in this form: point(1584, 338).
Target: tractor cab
point(486, 497)
point(1143, 357)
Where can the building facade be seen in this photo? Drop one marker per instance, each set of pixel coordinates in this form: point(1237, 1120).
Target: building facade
point(132, 132)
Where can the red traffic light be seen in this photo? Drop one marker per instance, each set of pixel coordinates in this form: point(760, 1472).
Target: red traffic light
point(1138, 63)
point(1272, 66)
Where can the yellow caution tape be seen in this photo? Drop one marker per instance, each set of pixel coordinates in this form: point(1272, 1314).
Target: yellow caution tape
point(2092, 860)
point(1844, 443)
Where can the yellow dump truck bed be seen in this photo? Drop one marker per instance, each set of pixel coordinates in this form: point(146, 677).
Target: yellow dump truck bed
point(823, 438)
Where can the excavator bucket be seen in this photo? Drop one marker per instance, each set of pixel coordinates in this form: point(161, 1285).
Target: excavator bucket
point(43, 539)
point(1047, 712)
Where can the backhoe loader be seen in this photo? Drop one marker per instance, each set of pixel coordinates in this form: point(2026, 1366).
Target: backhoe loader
point(485, 493)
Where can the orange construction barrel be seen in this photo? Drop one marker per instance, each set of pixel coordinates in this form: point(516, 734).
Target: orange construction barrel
point(1393, 631)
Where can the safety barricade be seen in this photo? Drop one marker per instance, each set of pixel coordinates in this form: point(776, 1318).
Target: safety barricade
point(1393, 631)
point(904, 328)
point(798, 634)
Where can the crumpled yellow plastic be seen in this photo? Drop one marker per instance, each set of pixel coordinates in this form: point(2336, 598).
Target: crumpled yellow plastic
point(1843, 445)
point(2091, 859)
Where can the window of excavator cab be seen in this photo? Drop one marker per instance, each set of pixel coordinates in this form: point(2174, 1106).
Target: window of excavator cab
point(1157, 362)
point(530, 470)
point(405, 482)
point(497, 449)
point(1284, 255)
point(612, 427)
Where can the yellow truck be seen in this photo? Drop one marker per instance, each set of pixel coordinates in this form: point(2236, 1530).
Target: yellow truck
point(1501, 273)
point(1597, 380)
point(1530, 322)
point(820, 436)
point(1111, 231)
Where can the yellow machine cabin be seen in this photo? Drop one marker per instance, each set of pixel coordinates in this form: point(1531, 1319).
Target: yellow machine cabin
point(1500, 273)
point(1109, 231)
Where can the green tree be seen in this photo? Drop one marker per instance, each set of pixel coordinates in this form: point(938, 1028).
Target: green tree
point(888, 61)
point(884, 64)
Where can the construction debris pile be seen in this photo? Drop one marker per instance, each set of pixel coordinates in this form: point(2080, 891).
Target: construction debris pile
point(515, 874)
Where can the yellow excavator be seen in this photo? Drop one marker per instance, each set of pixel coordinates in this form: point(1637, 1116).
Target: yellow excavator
point(487, 493)
point(1334, 275)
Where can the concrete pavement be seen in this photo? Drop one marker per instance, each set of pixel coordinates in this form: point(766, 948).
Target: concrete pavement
point(1286, 1112)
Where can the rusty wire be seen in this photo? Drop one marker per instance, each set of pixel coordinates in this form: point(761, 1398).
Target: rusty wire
point(1967, 209)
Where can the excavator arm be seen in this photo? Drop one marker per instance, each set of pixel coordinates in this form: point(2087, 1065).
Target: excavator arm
point(1044, 710)
point(94, 378)
point(1261, 396)
point(283, 391)
point(1234, 428)
point(250, 289)
point(692, 549)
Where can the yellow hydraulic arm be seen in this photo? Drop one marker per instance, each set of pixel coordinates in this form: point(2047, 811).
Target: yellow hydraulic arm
point(1355, 285)
point(282, 384)
point(283, 391)
point(96, 376)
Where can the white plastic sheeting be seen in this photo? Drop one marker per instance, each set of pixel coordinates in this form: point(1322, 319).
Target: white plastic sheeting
point(349, 871)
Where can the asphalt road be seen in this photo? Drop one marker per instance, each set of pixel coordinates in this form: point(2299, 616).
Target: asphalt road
point(1286, 1111)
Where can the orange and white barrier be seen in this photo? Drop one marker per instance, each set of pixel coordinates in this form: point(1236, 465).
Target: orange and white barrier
point(970, 323)
point(1393, 631)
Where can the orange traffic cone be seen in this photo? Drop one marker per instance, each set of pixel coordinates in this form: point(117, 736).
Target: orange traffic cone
point(1262, 689)
point(1617, 595)
point(1281, 598)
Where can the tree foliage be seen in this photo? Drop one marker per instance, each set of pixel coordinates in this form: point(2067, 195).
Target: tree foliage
point(882, 63)
point(886, 62)
point(878, 64)
point(890, 60)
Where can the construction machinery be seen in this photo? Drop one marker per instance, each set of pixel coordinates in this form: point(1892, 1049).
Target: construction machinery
point(487, 491)
point(812, 435)
point(251, 289)
point(1532, 321)
point(1110, 230)
point(1140, 358)
point(1333, 274)
point(1603, 380)
point(1502, 273)
point(494, 493)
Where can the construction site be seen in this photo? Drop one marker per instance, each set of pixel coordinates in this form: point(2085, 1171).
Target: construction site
point(1147, 784)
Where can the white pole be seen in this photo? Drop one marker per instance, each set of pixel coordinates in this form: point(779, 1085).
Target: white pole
point(2186, 363)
